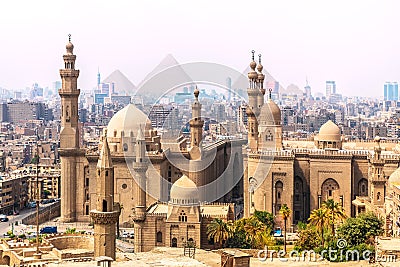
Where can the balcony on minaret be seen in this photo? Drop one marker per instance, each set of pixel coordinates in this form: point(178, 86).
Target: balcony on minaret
point(139, 214)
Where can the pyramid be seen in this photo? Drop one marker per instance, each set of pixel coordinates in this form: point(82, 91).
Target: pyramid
point(159, 80)
point(123, 85)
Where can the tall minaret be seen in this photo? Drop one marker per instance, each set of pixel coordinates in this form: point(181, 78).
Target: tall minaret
point(196, 123)
point(252, 110)
point(69, 136)
point(140, 168)
point(260, 83)
point(377, 179)
point(107, 213)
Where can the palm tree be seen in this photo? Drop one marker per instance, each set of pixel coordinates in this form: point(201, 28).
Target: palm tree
point(319, 218)
point(334, 211)
point(285, 212)
point(220, 231)
point(256, 231)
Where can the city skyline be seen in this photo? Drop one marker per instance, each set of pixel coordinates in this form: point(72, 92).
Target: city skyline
point(340, 41)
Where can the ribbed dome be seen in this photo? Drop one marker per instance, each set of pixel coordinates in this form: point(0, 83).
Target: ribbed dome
point(270, 113)
point(127, 120)
point(184, 192)
point(395, 177)
point(329, 132)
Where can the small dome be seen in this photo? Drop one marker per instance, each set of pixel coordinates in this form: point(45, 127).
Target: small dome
point(253, 65)
point(184, 192)
point(252, 75)
point(329, 132)
point(70, 48)
point(270, 113)
point(196, 92)
point(395, 177)
point(126, 120)
point(260, 67)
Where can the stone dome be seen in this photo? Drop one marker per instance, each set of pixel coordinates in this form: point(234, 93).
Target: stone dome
point(329, 132)
point(70, 48)
point(270, 113)
point(127, 120)
point(395, 177)
point(184, 192)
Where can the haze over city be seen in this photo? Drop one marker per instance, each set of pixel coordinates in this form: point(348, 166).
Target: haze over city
point(354, 43)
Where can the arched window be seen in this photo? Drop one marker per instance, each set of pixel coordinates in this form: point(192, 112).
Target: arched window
point(278, 196)
point(330, 190)
point(363, 187)
point(125, 147)
point(174, 242)
point(269, 136)
point(378, 196)
point(159, 236)
point(182, 217)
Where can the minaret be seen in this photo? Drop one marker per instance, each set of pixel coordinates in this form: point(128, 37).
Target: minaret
point(140, 168)
point(69, 136)
point(260, 83)
point(377, 179)
point(196, 123)
point(252, 110)
point(106, 214)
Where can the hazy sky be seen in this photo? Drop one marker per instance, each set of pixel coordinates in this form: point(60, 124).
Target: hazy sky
point(355, 43)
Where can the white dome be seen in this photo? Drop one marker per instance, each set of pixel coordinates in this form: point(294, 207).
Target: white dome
point(329, 132)
point(126, 120)
point(270, 113)
point(184, 192)
point(395, 177)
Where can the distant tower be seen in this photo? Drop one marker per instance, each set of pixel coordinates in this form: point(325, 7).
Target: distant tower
point(307, 90)
point(69, 137)
point(106, 214)
point(377, 179)
point(140, 168)
point(196, 123)
point(229, 87)
point(98, 77)
point(252, 110)
point(330, 88)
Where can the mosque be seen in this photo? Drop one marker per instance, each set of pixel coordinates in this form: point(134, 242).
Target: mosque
point(169, 192)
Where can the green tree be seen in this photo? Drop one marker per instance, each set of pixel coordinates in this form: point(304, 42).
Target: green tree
point(266, 218)
point(335, 213)
point(358, 230)
point(285, 212)
point(308, 238)
point(320, 220)
point(219, 231)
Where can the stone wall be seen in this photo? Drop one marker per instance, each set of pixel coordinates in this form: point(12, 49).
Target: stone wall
point(45, 214)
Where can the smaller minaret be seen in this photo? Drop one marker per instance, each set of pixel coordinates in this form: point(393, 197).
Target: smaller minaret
point(140, 168)
point(260, 83)
point(252, 110)
point(196, 123)
point(107, 213)
point(377, 179)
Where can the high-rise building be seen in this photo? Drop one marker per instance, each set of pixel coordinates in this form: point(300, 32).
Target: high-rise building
point(330, 88)
point(391, 91)
point(307, 90)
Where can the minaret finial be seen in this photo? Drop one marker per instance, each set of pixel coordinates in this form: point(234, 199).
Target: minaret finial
point(259, 58)
point(69, 37)
point(252, 57)
point(270, 93)
point(196, 93)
